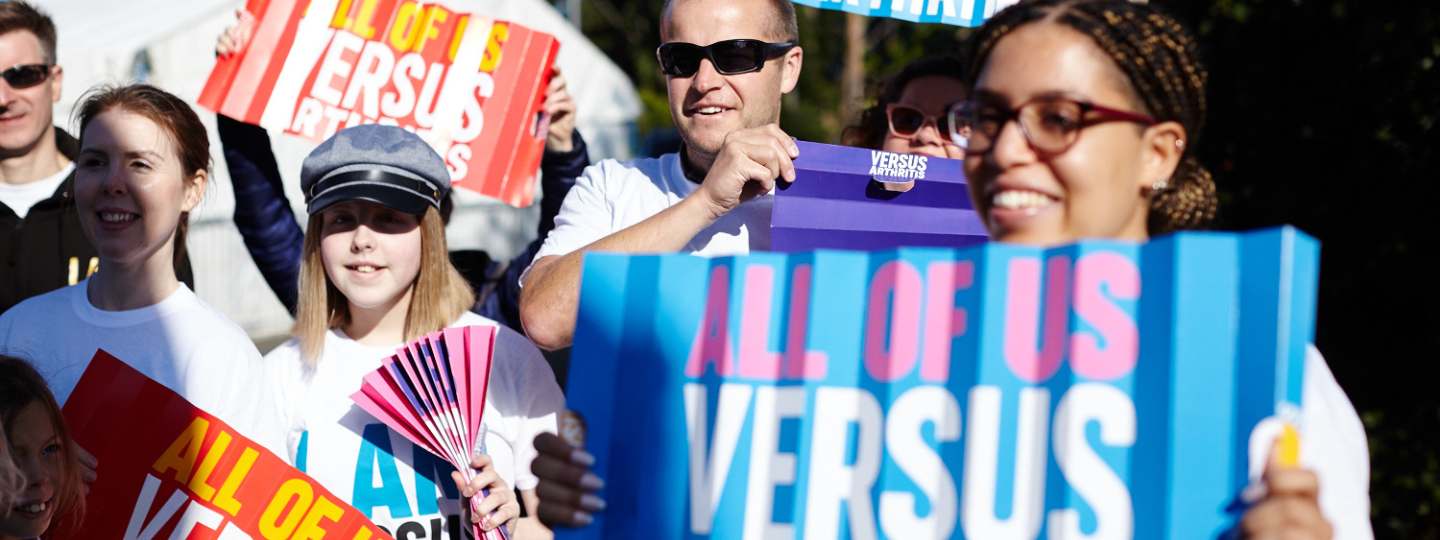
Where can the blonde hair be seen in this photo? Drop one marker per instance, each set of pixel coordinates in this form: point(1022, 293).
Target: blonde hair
point(439, 296)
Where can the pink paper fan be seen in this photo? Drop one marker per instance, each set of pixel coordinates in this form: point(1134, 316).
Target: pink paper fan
point(432, 391)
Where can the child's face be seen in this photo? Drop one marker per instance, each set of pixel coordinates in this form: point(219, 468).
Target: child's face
point(371, 253)
point(36, 451)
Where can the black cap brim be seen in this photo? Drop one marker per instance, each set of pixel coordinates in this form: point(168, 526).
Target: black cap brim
point(387, 196)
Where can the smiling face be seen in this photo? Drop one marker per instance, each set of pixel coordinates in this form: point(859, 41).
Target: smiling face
point(707, 106)
point(371, 253)
point(932, 95)
point(35, 448)
point(1095, 188)
point(25, 113)
point(130, 189)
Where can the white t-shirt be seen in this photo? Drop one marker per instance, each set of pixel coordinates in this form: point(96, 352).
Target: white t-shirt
point(20, 197)
point(611, 195)
point(180, 343)
point(1333, 446)
point(397, 485)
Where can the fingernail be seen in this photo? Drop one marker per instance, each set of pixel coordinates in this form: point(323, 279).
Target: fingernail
point(581, 457)
point(583, 519)
point(592, 503)
point(591, 482)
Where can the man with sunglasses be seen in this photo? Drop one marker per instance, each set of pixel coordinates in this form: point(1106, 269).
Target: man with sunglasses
point(42, 246)
point(727, 63)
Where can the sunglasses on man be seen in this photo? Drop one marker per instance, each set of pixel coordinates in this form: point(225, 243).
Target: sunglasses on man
point(730, 57)
point(26, 75)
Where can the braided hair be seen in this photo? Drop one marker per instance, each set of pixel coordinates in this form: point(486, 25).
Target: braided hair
point(872, 126)
point(1160, 59)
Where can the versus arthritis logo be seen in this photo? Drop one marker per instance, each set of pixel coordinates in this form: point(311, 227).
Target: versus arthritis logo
point(892, 165)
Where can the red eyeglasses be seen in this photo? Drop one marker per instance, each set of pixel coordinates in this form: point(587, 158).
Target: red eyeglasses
point(1050, 124)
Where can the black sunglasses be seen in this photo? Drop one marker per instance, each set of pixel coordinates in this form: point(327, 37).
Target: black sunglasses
point(730, 57)
point(26, 75)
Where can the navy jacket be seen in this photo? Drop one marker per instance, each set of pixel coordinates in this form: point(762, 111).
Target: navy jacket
point(274, 238)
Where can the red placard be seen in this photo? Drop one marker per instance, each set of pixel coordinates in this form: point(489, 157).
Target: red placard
point(166, 465)
point(471, 86)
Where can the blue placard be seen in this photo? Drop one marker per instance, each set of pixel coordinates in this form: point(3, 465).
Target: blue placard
point(998, 391)
point(957, 12)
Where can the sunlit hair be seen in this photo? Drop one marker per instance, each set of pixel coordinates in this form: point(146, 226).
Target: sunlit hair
point(11, 482)
point(440, 296)
point(782, 26)
point(21, 386)
point(1161, 63)
point(17, 16)
point(871, 128)
point(175, 118)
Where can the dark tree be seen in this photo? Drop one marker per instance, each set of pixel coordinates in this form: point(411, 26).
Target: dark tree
point(1322, 115)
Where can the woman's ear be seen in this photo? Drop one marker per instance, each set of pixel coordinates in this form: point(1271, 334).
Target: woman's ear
point(194, 190)
point(1162, 148)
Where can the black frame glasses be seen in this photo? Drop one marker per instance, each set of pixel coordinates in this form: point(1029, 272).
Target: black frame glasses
point(26, 75)
point(1050, 124)
point(730, 57)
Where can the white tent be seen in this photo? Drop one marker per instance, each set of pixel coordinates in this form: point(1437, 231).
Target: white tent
point(169, 43)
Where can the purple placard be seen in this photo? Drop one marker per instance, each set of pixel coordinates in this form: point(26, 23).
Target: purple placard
point(838, 202)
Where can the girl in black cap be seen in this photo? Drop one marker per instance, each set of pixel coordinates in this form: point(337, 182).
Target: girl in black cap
point(374, 275)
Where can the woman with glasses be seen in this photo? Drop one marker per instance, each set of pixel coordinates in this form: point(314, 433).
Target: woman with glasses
point(1083, 122)
point(909, 116)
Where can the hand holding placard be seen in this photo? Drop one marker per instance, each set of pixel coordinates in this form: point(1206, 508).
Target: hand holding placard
point(747, 166)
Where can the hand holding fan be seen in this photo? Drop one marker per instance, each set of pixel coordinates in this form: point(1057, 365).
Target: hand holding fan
point(432, 391)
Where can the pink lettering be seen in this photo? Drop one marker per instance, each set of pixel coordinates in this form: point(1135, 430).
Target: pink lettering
point(1117, 328)
point(755, 360)
point(800, 363)
point(712, 339)
point(1022, 303)
point(895, 296)
point(944, 321)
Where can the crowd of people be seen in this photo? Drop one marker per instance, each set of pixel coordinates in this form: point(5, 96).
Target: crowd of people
point(1075, 119)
